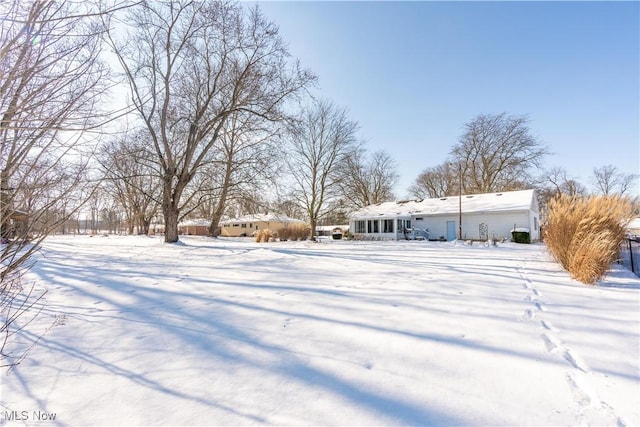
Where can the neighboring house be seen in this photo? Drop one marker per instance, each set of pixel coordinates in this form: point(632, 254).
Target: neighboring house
point(195, 227)
point(484, 216)
point(634, 227)
point(17, 224)
point(249, 224)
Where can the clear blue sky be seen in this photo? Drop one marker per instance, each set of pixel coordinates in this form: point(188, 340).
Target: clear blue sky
point(413, 73)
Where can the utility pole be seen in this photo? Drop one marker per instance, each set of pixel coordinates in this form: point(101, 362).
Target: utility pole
point(460, 202)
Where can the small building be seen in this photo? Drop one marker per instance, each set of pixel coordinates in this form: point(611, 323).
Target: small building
point(16, 224)
point(247, 225)
point(484, 217)
point(194, 227)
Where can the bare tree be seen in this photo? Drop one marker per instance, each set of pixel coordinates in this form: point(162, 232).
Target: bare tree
point(438, 181)
point(496, 153)
point(554, 182)
point(190, 66)
point(559, 182)
point(368, 179)
point(608, 180)
point(132, 177)
point(246, 160)
point(51, 81)
point(322, 139)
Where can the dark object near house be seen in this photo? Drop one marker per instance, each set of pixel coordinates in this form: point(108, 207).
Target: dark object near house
point(520, 235)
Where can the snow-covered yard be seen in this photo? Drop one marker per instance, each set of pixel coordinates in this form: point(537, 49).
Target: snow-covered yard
point(232, 332)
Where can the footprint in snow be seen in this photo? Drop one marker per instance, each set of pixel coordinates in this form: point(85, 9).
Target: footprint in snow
point(547, 325)
point(551, 342)
point(574, 360)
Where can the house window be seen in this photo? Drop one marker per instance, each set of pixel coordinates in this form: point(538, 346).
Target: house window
point(243, 226)
point(402, 224)
point(360, 227)
point(236, 225)
point(535, 223)
point(387, 226)
point(373, 226)
point(419, 219)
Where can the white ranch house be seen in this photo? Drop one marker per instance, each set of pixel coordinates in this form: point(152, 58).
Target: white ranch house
point(484, 216)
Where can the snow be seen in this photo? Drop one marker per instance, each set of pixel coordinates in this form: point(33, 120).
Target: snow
point(233, 332)
point(268, 217)
point(507, 201)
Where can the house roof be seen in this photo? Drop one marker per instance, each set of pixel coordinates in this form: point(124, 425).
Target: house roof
point(634, 224)
point(195, 222)
point(260, 218)
point(472, 203)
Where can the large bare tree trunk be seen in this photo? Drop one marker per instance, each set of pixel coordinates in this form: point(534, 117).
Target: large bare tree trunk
point(171, 215)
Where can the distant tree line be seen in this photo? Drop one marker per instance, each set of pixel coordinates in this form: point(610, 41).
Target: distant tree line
point(498, 153)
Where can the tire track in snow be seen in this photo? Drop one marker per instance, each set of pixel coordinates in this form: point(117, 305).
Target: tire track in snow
point(578, 376)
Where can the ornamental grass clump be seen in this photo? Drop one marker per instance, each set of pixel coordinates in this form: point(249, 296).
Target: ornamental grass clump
point(584, 234)
point(264, 235)
point(294, 231)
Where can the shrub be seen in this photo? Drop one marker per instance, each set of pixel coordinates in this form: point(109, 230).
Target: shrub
point(295, 231)
point(264, 235)
point(584, 234)
point(284, 233)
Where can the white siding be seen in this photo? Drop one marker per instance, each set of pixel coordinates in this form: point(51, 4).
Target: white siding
point(483, 216)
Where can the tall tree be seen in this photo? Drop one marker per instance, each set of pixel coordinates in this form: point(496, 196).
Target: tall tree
point(438, 181)
point(321, 139)
point(244, 161)
point(368, 179)
point(497, 153)
point(190, 66)
point(554, 182)
point(608, 180)
point(132, 177)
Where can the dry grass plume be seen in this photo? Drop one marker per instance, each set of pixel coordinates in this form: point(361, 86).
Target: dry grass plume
point(584, 233)
point(294, 231)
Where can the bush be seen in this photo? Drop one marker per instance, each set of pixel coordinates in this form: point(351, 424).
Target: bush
point(584, 234)
point(295, 231)
point(264, 235)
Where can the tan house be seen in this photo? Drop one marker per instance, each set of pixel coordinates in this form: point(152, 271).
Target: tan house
point(247, 225)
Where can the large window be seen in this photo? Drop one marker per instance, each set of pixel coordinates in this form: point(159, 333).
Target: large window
point(387, 226)
point(360, 227)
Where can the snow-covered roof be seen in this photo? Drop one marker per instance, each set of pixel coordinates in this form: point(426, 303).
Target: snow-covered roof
point(195, 222)
point(472, 203)
point(260, 218)
point(634, 224)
